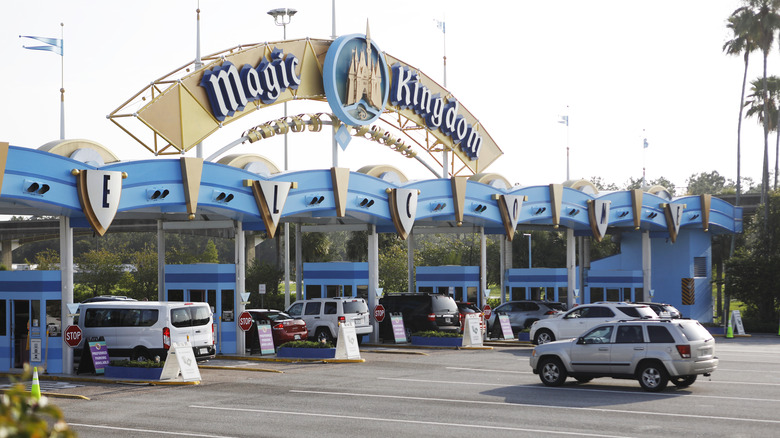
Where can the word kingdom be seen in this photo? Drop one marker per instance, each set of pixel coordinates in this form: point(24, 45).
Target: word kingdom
point(229, 90)
point(408, 92)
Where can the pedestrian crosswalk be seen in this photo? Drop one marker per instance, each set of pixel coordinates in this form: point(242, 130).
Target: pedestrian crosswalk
point(46, 386)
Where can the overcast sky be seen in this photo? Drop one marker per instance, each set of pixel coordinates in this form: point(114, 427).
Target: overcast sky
point(622, 71)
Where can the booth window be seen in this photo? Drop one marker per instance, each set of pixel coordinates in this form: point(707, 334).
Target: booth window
point(227, 305)
point(53, 317)
point(35, 316)
point(313, 291)
point(3, 317)
point(362, 291)
point(175, 295)
point(596, 294)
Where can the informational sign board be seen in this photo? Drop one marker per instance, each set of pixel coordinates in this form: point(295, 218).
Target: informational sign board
point(99, 353)
point(35, 350)
point(261, 289)
point(265, 334)
point(472, 333)
point(506, 327)
point(736, 322)
point(347, 344)
point(181, 360)
point(399, 331)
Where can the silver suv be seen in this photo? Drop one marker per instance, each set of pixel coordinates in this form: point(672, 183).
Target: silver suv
point(653, 352)
point(581, 318)
point(323, 315)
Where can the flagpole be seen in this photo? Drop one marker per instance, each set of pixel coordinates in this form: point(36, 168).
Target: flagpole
point(62, 84)
point(567, 142)
point(445, 158)
point(644, 159)
point(198, 64)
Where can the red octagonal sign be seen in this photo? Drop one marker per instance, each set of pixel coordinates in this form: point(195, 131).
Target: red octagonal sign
point(379, 313)
point(73, 335)
point(486, 310)
point(245, 321)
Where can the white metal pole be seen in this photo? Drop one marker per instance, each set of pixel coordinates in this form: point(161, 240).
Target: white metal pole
point(66, 281)
point(62, 83)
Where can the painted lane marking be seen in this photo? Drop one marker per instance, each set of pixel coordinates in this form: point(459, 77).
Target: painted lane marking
point(392, 420)
point(582, 388)
point(155, 431)
point(525, 405)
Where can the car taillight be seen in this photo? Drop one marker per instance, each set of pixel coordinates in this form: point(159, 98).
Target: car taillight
point(550, 312)
point(213, 338)
point(166, 338)
point(342, 319)
point(684, 350)
point(431, 317)
point(279, 326)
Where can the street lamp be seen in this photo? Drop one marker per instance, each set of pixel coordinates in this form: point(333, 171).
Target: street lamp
point(529, 249)
point(282, 18)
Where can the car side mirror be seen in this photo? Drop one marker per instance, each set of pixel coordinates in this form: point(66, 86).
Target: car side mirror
point(581, 340)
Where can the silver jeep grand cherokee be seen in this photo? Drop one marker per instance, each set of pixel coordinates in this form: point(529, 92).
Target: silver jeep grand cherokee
point(653, 352)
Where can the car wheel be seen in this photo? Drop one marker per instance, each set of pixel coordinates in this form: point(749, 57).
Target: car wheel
point(552, 372)
point(652, 376)
point(323, 335)
point(683, 381)
point(140, 354)
point(543, 336)
point(583, 379)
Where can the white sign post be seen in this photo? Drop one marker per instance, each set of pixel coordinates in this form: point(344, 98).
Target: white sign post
point(472, 336)
point(736, 319)
point(181, 360)
point(347, 344)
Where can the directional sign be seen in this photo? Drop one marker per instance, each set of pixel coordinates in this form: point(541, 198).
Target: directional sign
point(379, 313)
point(487, 311)
point(73, 335)
point(245, 321)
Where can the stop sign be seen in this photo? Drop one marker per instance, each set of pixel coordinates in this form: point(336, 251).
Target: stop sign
point(379, 313)
point(245, 321)
point(486, 310)
point(73, 335)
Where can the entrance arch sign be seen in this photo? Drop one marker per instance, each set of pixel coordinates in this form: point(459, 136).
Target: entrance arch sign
point(176, 111)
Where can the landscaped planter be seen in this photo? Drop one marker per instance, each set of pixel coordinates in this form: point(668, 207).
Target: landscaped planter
point(523, 336)
point(133, 372)
point(306, 353)
point(437, 341)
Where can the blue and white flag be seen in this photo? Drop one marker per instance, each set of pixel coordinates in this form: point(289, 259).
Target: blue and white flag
point(564, 120)
point(645, 144)
point(440, 25)
point(54, 44)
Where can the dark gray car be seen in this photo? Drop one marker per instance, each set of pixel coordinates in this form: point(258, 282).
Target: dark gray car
point(523, 313)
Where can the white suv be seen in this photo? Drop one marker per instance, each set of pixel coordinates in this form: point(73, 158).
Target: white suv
point(323, 315)
point(581, 318)
point(653, 352)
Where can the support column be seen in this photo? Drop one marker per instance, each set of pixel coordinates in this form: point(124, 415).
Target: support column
point(482, 268)
point(66, 281)
point(298, 263)
point(6, 259)
point(507, 266)
point(249, 243)
point(160, 261)
point(286, 262)
point(373, 277)
point(240, 285)
point(571, 268)
point(410, 262)
point(646, 265)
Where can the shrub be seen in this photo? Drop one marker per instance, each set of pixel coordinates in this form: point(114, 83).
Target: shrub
point(22, 415)
point(137, 363)
point(436, 334)
point(306, 344)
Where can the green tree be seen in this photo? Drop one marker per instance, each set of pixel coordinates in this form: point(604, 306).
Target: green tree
point(48, 260)
point(258, 273)
point(660, 181)
point(743, 43)
point(141, 283)
point(210, 254)
point(99, 270)
point(603, 185)
point(706, 183)
point(393, 267)
point(751, 274)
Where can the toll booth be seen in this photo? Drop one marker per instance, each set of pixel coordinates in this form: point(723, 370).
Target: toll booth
point(537, 284)
point(464, 281)
point(30, 320)
point(606, 285)
point(210, 283)
point(335, 279)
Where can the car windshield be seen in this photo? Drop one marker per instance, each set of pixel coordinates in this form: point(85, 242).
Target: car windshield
point(442, 303)
point(356, 306)
point(694, 331)
point(275, 316)
point(556, 306)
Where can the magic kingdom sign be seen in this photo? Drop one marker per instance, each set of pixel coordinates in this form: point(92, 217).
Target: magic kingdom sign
point(357, 79)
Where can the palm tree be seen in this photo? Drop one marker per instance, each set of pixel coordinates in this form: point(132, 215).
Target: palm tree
point(765, 21)
point(741, 43)
point(756, 105)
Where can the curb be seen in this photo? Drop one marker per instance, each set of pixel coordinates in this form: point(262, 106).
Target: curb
point(288, 360)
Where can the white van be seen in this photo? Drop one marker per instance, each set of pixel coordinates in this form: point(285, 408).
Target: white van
point(141, 330)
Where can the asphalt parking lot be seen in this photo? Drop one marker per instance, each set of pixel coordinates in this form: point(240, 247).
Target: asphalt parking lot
point(432, 392)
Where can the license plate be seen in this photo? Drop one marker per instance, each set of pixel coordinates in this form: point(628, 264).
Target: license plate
point(297, 337)
point(204, 350)
point(447, 319)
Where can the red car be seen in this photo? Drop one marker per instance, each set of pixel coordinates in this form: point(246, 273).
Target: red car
point(284, 327)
